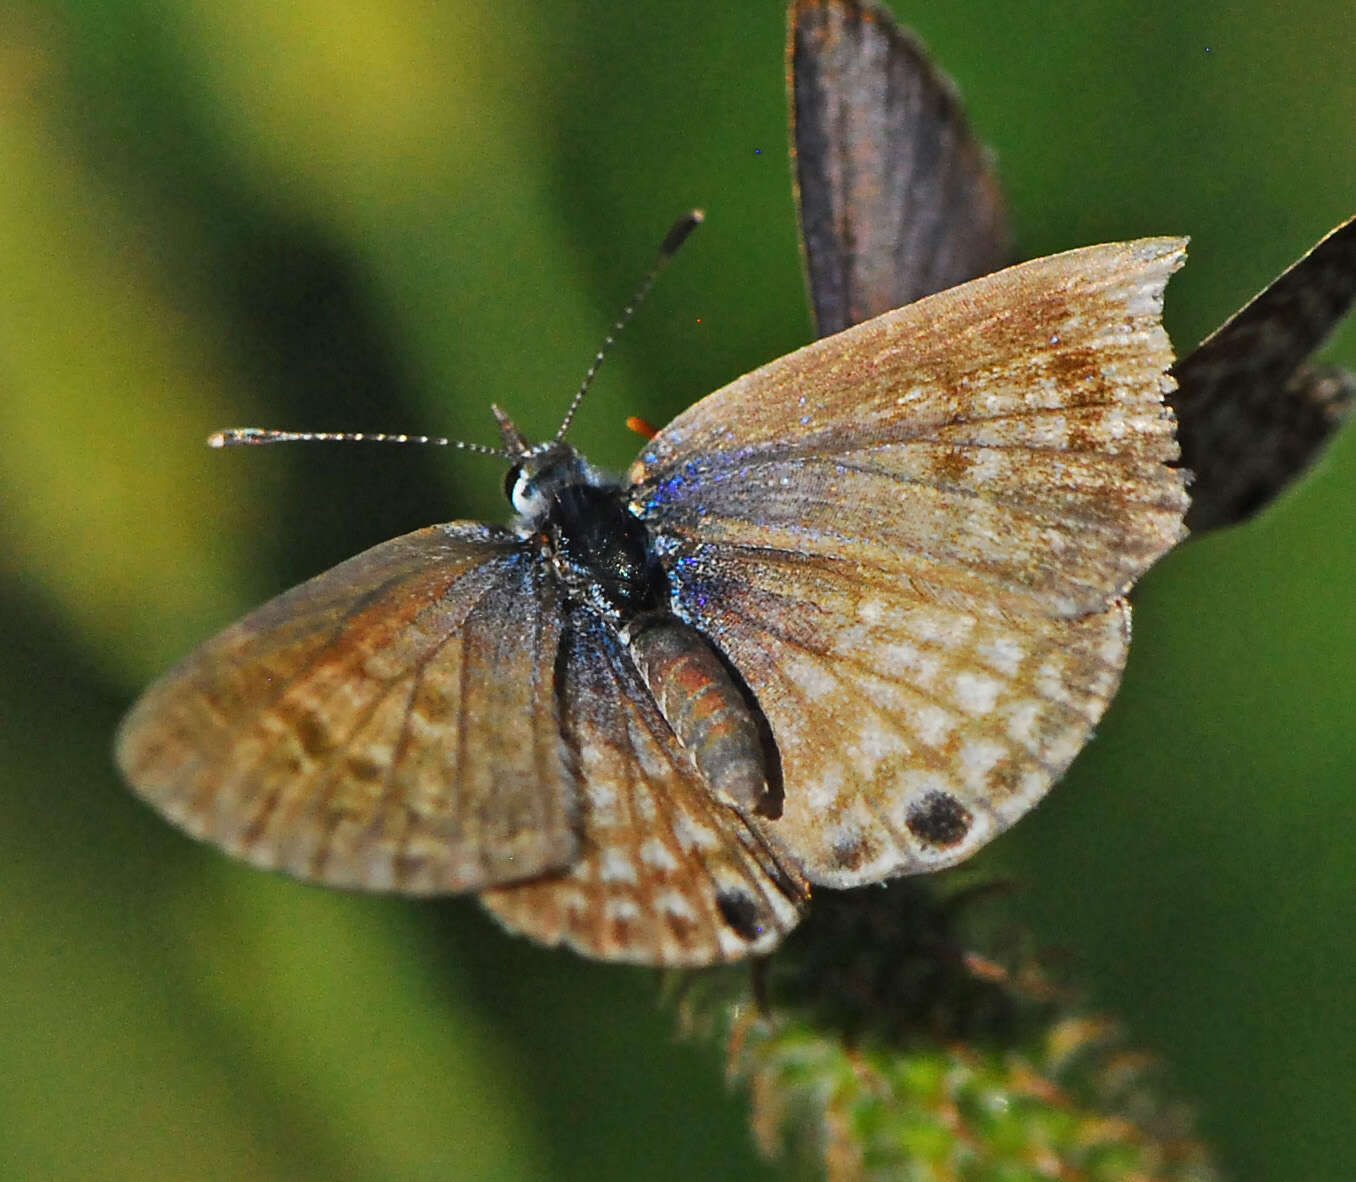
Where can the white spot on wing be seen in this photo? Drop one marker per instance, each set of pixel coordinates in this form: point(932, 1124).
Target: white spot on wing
point(618, 907)
point(812, 677)
point(602, 801)
point(616, 866)
point(1023, 718)
point(870, 610)
point(657, 856)
point(691, 836)
point(676, 905)
point(1003, 653)
point(932, 724)
point(976, 693)
point(978, 757)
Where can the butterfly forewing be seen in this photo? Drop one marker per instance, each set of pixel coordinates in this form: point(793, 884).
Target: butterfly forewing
point(390, 724)
point(912, 541)
point(1010, 432)
point(666, 875)
point(897, 199)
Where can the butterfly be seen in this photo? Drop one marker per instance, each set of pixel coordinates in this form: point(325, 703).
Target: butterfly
point(847, 618)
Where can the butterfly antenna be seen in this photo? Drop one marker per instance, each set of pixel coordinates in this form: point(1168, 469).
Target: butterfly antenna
point(675, 238)
point(254, 436)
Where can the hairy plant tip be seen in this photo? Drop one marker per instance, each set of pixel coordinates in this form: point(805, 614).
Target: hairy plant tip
point(914, 1033)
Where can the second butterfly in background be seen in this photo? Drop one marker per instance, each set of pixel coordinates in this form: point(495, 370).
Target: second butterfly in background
point(898, 200)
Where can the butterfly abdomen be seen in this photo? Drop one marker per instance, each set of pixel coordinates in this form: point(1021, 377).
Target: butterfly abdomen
point(707, 711)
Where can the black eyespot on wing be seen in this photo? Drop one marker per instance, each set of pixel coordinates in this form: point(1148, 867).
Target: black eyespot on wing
point(938, 819)
point(741, 913)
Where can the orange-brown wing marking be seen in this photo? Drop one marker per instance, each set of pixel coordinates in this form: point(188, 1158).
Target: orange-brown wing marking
point(390, 724)
point(897, 199)
point(912, 541)
point(667, 875)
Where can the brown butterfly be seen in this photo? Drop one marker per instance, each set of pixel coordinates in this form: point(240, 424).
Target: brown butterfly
point(848, 617)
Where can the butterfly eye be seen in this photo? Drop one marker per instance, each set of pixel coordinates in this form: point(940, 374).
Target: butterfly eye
point(511, 480)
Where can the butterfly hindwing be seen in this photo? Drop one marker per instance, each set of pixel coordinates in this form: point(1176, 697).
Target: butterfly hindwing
point(913, 722)
point(666, 874)
point(390, 724)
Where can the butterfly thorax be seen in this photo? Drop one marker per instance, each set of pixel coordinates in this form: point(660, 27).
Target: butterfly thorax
point(598, 550)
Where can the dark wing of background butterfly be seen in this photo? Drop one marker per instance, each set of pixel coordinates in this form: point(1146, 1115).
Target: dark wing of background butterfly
point(897, 200)
point(1253, 413)
point(390, 724)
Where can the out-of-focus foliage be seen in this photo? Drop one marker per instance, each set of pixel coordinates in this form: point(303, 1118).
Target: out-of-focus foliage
point(385, 216)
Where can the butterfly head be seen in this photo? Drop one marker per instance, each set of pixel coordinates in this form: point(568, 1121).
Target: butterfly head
point(540, 472)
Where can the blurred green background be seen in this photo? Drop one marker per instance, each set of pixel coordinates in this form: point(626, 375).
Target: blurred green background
point(383, 215)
